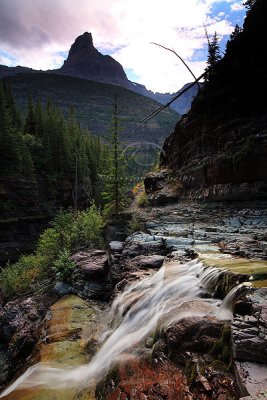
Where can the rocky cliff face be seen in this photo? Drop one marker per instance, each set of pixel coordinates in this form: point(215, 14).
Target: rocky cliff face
point(85, 61)
point(218, 151)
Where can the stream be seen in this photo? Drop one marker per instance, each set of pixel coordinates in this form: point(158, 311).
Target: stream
point(173, 292)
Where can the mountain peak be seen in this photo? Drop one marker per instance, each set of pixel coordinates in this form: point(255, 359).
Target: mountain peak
point(85, 39)
point(85, 61)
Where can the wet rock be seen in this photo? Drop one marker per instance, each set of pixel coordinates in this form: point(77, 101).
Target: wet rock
point(249, 332)
point(20, 321)
point(142, 244)
point(154, 261)
point(193, 334)
point(95, 290)
point(227, 280)
point(62, 288)
point(68, 337)
point(176, 243)
point(116, 246)
point(251, 379)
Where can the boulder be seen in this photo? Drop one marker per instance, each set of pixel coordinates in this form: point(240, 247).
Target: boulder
point(92, 264)
point(116, 246)
point(146, 262)
point(20, 321)
point(192, 334)
point(249, 331)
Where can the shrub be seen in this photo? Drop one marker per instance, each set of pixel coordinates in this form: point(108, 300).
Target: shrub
point(58, 238)
point(88, 228)
point(143, 200)
point(135, 225)
point(64, 226)
point(49, 244)
point(19, 278)
point(68, 232)
point(64, 266)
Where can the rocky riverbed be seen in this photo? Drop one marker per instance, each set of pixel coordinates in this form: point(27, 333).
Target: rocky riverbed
point(194, 357)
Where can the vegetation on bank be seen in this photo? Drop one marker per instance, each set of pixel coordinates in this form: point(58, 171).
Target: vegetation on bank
point(51, 261)
point(58, 156)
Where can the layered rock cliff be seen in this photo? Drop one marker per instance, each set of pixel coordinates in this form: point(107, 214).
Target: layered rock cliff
point(219, 150)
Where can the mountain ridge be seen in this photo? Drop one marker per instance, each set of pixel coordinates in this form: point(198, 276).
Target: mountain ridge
point(86, 62)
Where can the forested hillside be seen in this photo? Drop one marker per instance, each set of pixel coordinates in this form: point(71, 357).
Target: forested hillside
point(93, 105)
point(47, 161)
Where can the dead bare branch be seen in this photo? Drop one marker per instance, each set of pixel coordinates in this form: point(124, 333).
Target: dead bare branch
point(180, 58)
point(158, 110)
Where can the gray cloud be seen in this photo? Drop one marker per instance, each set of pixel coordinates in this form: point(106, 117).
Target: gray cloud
point(28, 24)
point(18, 29)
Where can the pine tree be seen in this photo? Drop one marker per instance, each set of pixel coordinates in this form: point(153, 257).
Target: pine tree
point(115, 185)
point(30, 122)
point(10, 102)
point(213, 54)
point(39, 127)
point(249, 4)
point(9, 146)
point(235, 32)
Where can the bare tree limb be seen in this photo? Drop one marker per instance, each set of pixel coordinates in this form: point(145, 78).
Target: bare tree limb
point(180, 58)
point(206, 34)
point(158, 110)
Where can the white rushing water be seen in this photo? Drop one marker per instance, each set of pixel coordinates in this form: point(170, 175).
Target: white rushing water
point(169, 295)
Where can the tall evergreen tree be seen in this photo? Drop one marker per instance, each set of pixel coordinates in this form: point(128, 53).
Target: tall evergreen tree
point(9, 146)
point(30, 122)
point(213, 54)
point(115, 178)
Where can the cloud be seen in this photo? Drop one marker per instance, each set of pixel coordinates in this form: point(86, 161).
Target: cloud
point(236, 7)
point(38, 34)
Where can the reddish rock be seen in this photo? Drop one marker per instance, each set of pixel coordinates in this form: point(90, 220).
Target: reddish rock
point(20, 321)
point(153, 261)
point(92, 264)
point(141, 380)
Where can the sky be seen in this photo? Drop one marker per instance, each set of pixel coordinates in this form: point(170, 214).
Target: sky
point(39, 33)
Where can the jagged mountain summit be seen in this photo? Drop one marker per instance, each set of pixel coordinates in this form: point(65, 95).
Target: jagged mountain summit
point(86, 62)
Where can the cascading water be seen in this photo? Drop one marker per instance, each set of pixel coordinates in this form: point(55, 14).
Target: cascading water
point(225, 311)
point(156, 301)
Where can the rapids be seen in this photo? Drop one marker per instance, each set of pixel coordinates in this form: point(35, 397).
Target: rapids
point(173, 292)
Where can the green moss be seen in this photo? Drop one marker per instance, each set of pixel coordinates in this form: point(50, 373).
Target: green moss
point(221, 349)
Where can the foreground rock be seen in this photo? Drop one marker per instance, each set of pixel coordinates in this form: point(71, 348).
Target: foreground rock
point(91, 278)
point(249, 336)
point(140, 379)
point(20, 321)
point(69, 338)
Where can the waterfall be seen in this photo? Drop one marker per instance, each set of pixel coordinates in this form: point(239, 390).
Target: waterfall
point(225, 311)
point(154, 302)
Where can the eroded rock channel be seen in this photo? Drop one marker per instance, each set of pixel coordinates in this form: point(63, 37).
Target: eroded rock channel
point(175, 311)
